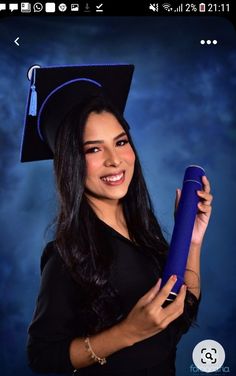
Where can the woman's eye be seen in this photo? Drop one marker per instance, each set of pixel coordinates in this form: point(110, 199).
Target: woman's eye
point(92, 150)
point(122, 142)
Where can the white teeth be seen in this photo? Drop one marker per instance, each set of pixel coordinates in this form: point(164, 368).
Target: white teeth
point(113, 178)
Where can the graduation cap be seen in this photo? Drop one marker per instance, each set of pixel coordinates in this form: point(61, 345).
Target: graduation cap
point(54, 91)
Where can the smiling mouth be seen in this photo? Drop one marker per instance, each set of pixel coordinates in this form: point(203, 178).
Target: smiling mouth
point(114, 178)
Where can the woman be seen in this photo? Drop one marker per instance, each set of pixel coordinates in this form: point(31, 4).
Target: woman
point(100, 309)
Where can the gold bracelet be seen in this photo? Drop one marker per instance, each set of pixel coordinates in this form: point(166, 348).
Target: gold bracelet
point(92, 353)
point(198, 277)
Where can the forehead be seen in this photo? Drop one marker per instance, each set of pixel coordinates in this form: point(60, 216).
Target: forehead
point(102, 125)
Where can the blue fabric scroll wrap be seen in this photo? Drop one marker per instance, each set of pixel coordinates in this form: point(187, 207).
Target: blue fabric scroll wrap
point(183, 228)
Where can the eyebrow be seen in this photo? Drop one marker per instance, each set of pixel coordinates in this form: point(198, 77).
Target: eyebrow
point(101, 141)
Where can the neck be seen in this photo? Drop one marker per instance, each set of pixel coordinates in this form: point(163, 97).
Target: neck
point(109, 211)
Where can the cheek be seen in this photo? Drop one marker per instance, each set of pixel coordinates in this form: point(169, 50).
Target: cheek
point(92, 166)
point(129, 156)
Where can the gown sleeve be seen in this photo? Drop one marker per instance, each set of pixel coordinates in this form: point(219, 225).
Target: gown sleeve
point(54, 321)
point(182, 324)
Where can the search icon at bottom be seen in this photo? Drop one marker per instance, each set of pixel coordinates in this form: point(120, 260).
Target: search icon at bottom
point(208, 355)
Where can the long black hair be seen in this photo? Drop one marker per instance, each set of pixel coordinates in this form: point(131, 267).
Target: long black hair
point(77, 237)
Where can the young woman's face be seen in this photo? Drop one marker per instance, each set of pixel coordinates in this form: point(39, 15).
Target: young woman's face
point(109, 157)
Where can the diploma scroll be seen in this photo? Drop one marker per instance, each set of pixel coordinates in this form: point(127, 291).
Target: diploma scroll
point(183, 228)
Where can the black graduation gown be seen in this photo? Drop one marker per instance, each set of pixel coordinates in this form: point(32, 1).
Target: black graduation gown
point(57, 320)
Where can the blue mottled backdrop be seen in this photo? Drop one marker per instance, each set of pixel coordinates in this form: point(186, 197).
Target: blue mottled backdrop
point(182, 111)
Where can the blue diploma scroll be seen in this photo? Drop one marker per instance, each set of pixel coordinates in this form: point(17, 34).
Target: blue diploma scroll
point(183, 228)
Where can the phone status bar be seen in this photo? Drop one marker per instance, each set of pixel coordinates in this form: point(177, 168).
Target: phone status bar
point(110, 8)
point(39, 8)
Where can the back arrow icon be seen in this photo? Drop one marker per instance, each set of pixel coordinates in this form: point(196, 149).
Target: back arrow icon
point(16, 41)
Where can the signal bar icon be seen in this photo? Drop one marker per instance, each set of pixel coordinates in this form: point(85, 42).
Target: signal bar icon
point(179, 9)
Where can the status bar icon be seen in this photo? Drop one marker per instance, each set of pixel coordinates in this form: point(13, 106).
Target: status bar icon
point(154, 7)
point(50, 7)
point(25, 7)
point(13, 7)
point(167, 7)
point(202, 7)
point(74, 7)
point(3, 6)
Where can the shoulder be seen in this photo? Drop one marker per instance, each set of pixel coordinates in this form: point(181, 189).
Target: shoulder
point(53, 268)
point(48, 252)
point(50, 255)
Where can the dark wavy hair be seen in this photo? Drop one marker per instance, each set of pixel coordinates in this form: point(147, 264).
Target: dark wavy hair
point(77, 237)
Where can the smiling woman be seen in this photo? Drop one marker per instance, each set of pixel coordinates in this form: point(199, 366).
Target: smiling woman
point(100, 301)
point(110, 162)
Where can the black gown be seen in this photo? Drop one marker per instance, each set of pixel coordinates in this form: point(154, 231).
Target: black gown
point(57, 319)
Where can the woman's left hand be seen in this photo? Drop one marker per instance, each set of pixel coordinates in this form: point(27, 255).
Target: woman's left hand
point(204, 211)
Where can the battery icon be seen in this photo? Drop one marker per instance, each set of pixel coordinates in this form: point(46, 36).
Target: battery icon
point(202, 7)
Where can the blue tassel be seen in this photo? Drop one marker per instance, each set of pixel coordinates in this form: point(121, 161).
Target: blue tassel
point(33, 98)
point(33, 102)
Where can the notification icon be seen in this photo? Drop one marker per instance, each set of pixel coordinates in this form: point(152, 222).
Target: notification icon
point(3, 7)
point(74, 7)
point(62, 7)
point(25, 7)
point(38, 7)
point(50, 7)
point(13, 7)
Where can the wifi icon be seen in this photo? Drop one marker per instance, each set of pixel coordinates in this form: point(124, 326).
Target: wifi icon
point(167, 7)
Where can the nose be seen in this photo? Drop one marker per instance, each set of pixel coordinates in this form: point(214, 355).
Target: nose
point(112, 159)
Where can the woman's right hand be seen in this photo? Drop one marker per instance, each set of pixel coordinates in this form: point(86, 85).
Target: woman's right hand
point(148, 317)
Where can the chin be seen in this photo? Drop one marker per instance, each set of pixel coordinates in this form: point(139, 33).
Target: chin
point(115, 196)
point(119, 194)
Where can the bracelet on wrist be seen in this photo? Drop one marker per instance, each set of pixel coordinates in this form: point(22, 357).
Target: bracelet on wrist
point(92, 353)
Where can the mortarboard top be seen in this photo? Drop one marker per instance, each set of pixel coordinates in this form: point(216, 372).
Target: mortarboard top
point(55, 90)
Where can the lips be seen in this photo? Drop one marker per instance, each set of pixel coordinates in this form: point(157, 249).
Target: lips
point(114, 179)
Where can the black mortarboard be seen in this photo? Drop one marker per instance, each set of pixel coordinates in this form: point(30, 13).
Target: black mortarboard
point(54, 91)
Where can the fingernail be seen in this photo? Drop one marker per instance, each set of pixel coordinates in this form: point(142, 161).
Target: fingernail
point(174, 277)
